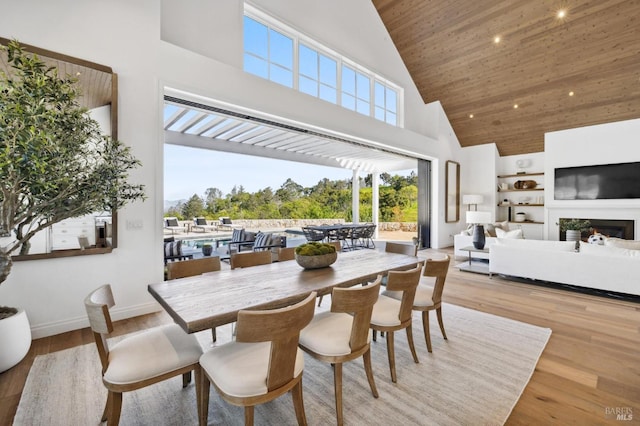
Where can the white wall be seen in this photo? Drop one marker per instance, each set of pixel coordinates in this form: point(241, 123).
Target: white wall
point(601, 144)
point(52, 291)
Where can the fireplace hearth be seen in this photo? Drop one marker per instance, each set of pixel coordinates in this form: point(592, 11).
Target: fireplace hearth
point(614, 228)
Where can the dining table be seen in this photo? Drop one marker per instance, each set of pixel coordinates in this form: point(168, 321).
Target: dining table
point(213, 299)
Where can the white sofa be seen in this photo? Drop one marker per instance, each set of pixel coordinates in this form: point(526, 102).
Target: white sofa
point(599, 267)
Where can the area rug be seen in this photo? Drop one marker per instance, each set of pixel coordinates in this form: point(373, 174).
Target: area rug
point(476, 377)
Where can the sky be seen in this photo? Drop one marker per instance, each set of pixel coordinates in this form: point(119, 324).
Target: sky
point(189, 171)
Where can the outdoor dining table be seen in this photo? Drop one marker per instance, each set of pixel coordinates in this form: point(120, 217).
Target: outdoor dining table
point(214, 299)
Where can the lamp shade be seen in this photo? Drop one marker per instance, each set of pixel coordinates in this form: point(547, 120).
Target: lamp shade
point(472, 199)
point(475, 217)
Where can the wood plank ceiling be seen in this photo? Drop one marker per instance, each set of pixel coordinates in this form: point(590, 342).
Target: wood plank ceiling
point(562, 73)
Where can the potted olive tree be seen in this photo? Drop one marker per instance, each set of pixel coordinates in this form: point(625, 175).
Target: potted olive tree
point(55, 161)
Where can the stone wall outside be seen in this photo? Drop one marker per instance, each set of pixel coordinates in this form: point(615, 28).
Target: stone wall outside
point(282, 224)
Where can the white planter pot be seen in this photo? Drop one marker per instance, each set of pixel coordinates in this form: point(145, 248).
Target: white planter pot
point(573, 235)
point(15, 339)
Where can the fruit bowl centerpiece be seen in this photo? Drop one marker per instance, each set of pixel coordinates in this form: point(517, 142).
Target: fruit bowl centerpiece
point(315, 255)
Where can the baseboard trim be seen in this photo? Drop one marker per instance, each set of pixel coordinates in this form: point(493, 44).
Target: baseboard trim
point(57, 327)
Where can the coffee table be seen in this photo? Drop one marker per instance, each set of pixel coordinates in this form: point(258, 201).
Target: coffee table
point(478, 267)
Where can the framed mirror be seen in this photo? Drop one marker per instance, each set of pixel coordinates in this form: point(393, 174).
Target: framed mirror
point(95, 233)
point(452, 192)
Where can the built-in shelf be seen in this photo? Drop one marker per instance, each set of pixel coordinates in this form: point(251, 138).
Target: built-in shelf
point(520, 190)
point(508, 181)
point(527, 221)
point(521, 205)
point(521, 175)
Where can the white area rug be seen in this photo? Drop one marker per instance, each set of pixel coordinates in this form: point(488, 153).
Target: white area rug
point(476, 377)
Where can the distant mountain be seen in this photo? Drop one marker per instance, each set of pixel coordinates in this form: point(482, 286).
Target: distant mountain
point(172, 203)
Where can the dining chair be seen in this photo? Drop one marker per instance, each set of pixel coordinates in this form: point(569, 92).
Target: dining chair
point(429, 298)
point(342, 334)
point(140, 360)
point(252, 258)
point(286, 253)
point(263, 363)
point(390, 314)
point(189, 268)
point(401, 248)
point(192, 267)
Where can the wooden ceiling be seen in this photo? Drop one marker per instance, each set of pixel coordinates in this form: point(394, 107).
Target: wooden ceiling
point(593, 52)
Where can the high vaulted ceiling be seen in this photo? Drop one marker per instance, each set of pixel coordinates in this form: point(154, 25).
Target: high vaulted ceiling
point(593, 53)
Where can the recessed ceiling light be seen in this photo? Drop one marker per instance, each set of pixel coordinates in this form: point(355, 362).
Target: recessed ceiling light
point(562, 13)
point(515, 106)
point(496, 39)
point(470, 115)
point(571, 93)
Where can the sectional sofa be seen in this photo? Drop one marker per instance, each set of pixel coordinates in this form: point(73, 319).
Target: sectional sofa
point(613, 267)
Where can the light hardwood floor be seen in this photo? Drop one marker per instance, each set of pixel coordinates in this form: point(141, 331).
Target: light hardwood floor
point(590, 366)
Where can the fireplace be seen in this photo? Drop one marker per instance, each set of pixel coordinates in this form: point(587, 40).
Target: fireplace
point(614, 228)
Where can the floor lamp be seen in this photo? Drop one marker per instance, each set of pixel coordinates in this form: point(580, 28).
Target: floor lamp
point(478, 219)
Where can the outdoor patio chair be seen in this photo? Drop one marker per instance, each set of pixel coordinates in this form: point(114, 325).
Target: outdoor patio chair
point(172, 224)
point(225, 223)
point(312, 234)
point(200, 224)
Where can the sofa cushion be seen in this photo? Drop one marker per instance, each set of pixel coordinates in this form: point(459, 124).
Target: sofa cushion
point(544, 245)
point(607, 250)
point(620, 243)
point(515, 234)
point(491, 228)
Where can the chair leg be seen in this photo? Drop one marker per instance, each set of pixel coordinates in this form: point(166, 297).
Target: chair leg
point(375, 335)
point(248, 415)
point(425, 326)
point(116, 408)
point(320, 300)
point(186, 379)
point(411, 345)
point(198, 379)
point(202, 394)
point(214, 335)
point(439, 314)
point(298, 404)
point(391, 355)
point(337, 385)
point(107, 407)
point(367, 368)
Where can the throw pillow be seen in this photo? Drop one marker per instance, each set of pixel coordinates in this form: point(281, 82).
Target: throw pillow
point(237, 235)
point(502, 225)
point(173, 248)
point(490, 230)
point(262, 240)
point(516, 233)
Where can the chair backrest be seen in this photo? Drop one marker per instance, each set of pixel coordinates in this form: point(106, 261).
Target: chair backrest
point(282, 328)
point(201, 221)
point(262, 241)
point(358, 301)
point(312, 234)
point(286, 253)
point(336, 244)
point(408, 249)
point(250, 258)
point(437, 268)
point(97, 305)
point(189, 268)
point(406, 282)
point(172, 221)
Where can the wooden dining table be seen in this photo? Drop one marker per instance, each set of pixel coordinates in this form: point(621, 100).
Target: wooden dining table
point(214, 299)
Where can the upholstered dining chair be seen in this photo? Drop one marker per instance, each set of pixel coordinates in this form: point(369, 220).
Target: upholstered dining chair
point(140, 360)
point(401, 248)
point(429, 298)
point(286, 253)
point(390, 314)
point(251, 258)
point(189, 268)
point(342, 334)
point(263, 363)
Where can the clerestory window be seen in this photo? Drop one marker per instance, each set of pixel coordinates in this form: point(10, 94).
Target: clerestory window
point(275, 52)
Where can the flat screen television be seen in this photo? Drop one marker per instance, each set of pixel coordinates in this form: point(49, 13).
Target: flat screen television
point(604, 181)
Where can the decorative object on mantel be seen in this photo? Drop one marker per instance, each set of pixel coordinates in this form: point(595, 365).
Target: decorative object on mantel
point(573, 228)
point(314, 255)
point(522, 164)
point(55, 156)
point(478, 219)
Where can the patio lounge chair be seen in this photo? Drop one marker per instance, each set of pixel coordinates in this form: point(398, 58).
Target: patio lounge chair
point(172, 224)
point(201, 225)
point(225, 223)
